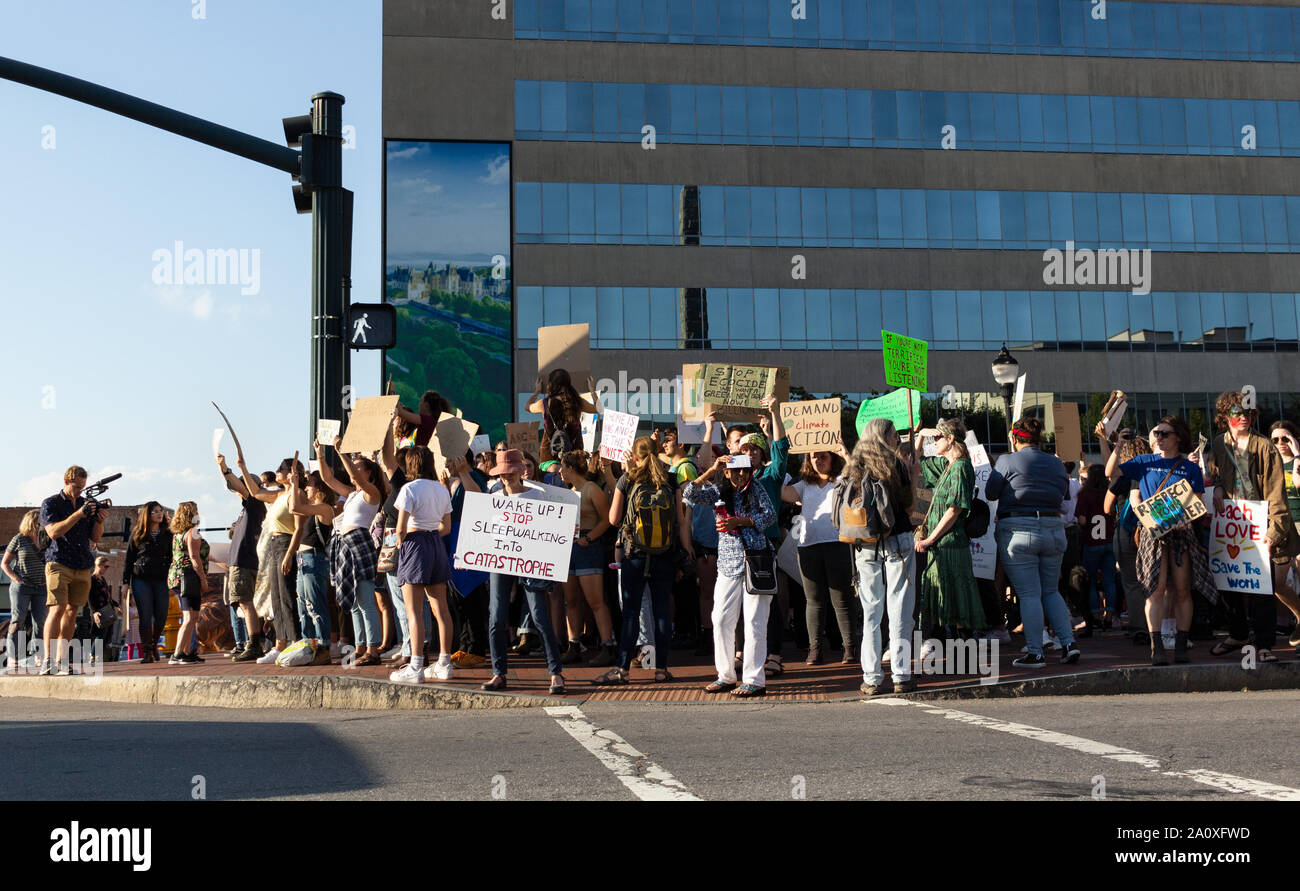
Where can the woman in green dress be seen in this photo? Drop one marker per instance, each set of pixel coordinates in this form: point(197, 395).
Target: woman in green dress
point(949, 594)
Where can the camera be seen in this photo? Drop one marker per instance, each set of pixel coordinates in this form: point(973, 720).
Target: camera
point(92, 492)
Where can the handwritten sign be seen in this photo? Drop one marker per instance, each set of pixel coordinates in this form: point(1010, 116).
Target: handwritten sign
point(216, 441)
point(694, 408)
point(812, 425)
point(522, 436)
point(326, 430)
point(617, 435)
point(526, 537)
point(480, 444)
point(369, 424)
point(589, 424)
point(742, 385)
point(891, 407)
point(1173, 507)
point(983, 550)
point(1239, 559)
point(1069, 437)
point(905, 360)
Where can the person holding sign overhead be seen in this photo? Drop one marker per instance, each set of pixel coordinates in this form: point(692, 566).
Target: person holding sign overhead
point(1285, 437)
point(1244, 466)
point(432, 407)
point(1169, 565)
point(510, 469)
point(353, 558)
point(561, 410)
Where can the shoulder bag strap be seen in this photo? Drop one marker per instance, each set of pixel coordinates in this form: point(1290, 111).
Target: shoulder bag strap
point(1177, 464)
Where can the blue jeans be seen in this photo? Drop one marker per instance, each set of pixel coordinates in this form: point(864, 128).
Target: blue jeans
point(1101, 558)
point(239, 627)
point(366, 629)
point(885, 582)
point(1031, 550)
point(313, 595)
point(25, 600)
point(151, 601)
point(538, 606)
point(635, 571)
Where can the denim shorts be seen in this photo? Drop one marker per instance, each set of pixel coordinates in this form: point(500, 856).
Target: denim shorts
point(587, 561)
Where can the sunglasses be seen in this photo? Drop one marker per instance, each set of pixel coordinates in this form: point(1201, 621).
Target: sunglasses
point(1279, 439)
point(1161, 434)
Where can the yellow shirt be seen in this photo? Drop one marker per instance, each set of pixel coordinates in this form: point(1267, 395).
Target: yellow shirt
point(278, 518)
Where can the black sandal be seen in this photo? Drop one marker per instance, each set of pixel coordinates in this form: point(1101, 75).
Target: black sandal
point(1226, 646)
point(615, 677)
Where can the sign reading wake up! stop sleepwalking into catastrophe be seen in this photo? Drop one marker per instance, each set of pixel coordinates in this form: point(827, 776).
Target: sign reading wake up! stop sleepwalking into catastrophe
point(527, 537)
point(905, 360)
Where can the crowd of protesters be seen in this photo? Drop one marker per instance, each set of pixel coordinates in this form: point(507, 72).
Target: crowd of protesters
point(676, 550)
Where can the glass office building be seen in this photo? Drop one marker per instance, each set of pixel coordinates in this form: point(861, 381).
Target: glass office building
point(1108, 188)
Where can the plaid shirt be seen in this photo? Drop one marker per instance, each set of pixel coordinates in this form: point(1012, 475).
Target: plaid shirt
point(353, 559)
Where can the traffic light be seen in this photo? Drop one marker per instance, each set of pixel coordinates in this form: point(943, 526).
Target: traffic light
point(297, 134)
point(372, 326)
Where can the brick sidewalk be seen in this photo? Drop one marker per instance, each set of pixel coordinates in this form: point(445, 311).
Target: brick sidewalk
point(800, 682)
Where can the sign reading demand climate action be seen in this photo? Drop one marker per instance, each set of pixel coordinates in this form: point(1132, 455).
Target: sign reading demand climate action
point(527, 537)
point(812, 425)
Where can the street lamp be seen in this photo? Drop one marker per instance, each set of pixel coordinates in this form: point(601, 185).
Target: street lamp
point(1005, 371)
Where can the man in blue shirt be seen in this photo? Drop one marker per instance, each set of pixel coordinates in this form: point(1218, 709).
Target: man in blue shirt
point(74, 526)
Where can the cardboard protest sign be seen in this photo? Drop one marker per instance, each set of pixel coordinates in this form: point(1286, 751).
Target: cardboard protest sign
point(739, 385)
point(589, 424)
point(1019, 404)
point(1069, 437)
point(812, 425)
point(526, 537)
point(617, 435)
point(1239, 558)
point(891, 407)
point(523, 436)
point(1173, 506)
point(368, 426)
point(1113, 413)
point(905, 360)
point(983, 550)
point(695, 408)
point(567, 347)
point(451, 439)
point(326, 430)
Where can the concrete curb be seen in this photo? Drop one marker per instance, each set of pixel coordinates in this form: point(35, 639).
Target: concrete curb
point(296, 692)
point(1228, 677)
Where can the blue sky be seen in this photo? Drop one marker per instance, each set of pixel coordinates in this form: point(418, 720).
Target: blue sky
point(110, 366)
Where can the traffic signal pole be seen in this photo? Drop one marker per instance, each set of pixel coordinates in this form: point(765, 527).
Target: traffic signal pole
point(319, 170)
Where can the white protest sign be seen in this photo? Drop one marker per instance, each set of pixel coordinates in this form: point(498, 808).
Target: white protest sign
point(589, 424)
point(617, 435)
point(1239, 559)
point(522, 536)
point(1020, 398)
point(326, 430)
point(983, 550)
point(480, 444)
point(216, 441)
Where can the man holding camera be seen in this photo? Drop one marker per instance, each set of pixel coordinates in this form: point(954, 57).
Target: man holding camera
point(74, 526)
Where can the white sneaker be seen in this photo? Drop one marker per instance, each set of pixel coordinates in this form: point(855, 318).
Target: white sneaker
point(928, 649)
point(269, 657)
point(438, 672)
point(885, 658)
point(407, 674)
point(1050, 642)
point(391, 654)
point(177, 660)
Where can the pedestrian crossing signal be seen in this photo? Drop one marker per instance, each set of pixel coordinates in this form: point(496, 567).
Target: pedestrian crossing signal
point(372, 326)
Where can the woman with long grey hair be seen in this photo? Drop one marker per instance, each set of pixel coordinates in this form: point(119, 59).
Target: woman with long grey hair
point(877, 489)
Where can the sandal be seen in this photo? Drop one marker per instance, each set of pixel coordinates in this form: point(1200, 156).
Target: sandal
point(719, 687)
point(1266, 656)
point(744, 691)
point(662, 676)
point(612, 678)
point(367, 659)
point(772, 668)
point(1226, 646)
point(558, 689)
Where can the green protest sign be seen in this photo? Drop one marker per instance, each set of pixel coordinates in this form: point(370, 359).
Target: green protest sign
point(905, 360)
point(891, 407)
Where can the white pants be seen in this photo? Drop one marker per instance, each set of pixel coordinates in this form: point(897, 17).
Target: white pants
point(728, 597)
point(885, 583)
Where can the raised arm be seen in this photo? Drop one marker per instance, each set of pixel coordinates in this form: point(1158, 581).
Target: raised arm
point(535, 400)
point(773, 407)
point(327, 473)
point(254, 485)
point(388, 456)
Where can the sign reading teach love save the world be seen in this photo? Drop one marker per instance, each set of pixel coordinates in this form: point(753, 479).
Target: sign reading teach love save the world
point(1239, 558)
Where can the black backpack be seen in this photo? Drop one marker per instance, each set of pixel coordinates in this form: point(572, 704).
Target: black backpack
point(977, 520)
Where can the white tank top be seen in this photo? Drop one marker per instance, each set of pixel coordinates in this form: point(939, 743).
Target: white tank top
point(357, 512)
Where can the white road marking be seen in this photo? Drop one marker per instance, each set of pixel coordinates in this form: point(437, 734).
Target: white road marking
point(1223, 781)
point(643, 778)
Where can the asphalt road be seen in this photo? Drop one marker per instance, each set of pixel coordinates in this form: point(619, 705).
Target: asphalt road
point(1134, 748)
